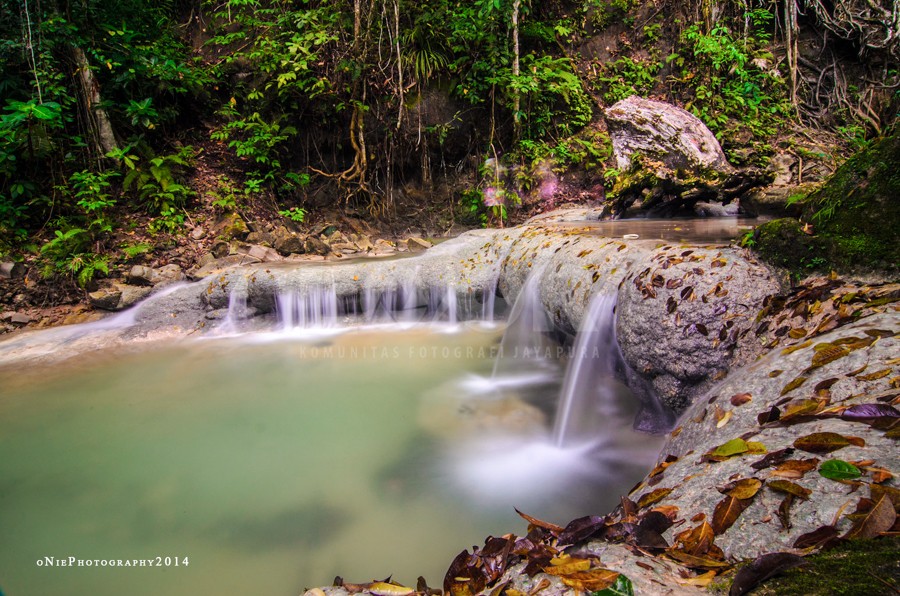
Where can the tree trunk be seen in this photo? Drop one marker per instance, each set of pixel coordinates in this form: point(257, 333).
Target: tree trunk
point(515, 67)
point(101, 129)
point(791, 31)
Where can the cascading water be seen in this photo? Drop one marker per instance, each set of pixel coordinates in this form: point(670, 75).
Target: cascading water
point(261, 407)
point(237, 312)
point(526, 346)
point(315, 306)
point(593, 399)
point(589, 379)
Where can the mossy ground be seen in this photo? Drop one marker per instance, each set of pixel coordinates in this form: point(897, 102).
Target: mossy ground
point(855, 217)
point(855, 568)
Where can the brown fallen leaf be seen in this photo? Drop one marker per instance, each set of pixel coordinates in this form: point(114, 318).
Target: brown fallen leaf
point(740, 399)
point(767, 416)
point(772, 459)
point(879, 519)
point(581, 529)
point(793, 385)
point(893, 494)
point(701, 581)
point(566, 565)
point(827, 353)
point(795, 468)
point(652, 497)
point(727, 512)
point(787, 487)
point(821, 537)
point(591, 581)
point(801, 411)
point(824, 442)
point(696, 562)
point(724, 419)
point(670, 511)
point(696, 541)
point(784, 511)
point(761, 569)
point(539, 587)
point(552, 528)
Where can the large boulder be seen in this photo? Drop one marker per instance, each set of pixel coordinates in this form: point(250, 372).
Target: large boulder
point(685, 315)
point(669, 161)
point(663, 132)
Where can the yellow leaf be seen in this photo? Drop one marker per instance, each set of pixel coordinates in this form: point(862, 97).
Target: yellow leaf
point(569, 568)
point(756, 448)
point(701, 580)
point(386, 589)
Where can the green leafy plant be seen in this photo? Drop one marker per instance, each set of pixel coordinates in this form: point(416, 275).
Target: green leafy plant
point(626, 77)
point(156, 180)
point(257, 141)
point(132, 251)
point(295, 214)
point(169, 221)
point(723, 75)
point(69, 253)
point(142, 113)
point(90, 189)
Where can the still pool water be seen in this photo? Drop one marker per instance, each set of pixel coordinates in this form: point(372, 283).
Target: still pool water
point(275, 463)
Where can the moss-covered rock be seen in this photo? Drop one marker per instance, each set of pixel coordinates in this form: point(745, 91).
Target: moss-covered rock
point(859, 207)
point(783, 243)
point(855, 216)
point(854, 567)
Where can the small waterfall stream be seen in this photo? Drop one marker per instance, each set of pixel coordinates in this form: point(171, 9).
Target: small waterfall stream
point(526, 342)
point(590, 376)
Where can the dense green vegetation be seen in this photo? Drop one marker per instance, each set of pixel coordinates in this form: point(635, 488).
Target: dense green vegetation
point(108, 105)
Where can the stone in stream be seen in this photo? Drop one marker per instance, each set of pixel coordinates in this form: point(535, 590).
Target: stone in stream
point(113, 295)
point(315, 246)
point(230, 227)
point(141, 275)
point(416, 244)
point(11, 270)
point(16, 318)
point(288, 243)
point(448, 413)
point(261, 238)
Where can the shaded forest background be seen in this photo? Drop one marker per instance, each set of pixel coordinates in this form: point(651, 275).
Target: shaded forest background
point(125, 122)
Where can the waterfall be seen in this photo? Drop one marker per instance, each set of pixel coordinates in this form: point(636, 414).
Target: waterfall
point(315, 306)
point(237, 311)
point(526, 345)
point(600, 392)
point(489, 292)
point(451, 305)
point(590, 374)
